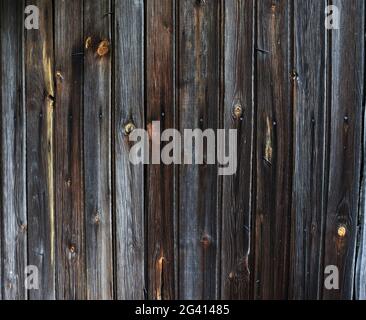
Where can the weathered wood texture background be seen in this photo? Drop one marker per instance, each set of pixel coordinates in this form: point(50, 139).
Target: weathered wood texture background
point(98, 227)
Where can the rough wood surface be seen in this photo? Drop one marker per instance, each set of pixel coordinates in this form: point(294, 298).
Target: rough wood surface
point(40, 103)
point(69, 213)
point(161, 210)
point(238, 67)
point(310, 123)
point(129, 180)
point(97, 117)
point(13, 214)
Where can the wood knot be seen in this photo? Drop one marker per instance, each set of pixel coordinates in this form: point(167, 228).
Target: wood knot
point(342, 231)
point(129, 128)
point(206, 241)
point(72, 249)
point(238, 111)
point(103, 48)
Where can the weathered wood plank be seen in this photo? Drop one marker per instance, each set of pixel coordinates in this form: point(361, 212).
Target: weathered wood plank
point(160, 178)
point(360, 277)
point(39, 100)
point(273, 151)
point(238, 113)
point(97, 148)
point(198, 98)
point(13, 164)
point(310, 119)
point(70, 267)
point(129, 179)
point(346, 94)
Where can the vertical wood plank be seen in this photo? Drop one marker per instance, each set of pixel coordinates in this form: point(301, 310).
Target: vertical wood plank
point(70, 267)
point(39, 100)
point(360, 277)
point(273, 151)
point(198, 100)
point(13, 166)
point(160, 181)
point(97, 148)
point(346, 94)
point(238, 114)
point(129, 179)
point(310, 130)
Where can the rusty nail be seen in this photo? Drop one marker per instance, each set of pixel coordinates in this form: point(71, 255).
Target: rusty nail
point(342, 231)
point(129, 127)
point(103, 48)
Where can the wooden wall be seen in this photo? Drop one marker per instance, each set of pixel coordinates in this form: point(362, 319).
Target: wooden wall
point(98, 227)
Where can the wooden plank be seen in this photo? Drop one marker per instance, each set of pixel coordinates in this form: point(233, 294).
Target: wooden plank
point(97, 148)
point(160, 181)
point(13, 166)
point(273, 151)
point(70, 267)
point(346, 94)
point(238, 113)
point(360, 277)
point(309, 76)
point(198, 98)
point(39, 99)
point(129, 179)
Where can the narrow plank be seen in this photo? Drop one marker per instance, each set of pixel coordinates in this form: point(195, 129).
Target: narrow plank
point(309, 76)
point(273, 152)
point(97, 148)
point(238, 113)
point(13, 166)
point(160, 181)
point(198, 99)
point(360, 277)
point(70, 267)
point(346, 94)
point(129, 179)
point(39, 100)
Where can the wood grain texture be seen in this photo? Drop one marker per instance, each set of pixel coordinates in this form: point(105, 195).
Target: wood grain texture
point(273, 150)
point(360, 276)
point(198, 99)
point(310, 116)
point(13, 166)
point(161, 212)
point(39, 100)
point(70, 266)
point(129, 179)
point(346, 94)
point(97, 148)
point(238, 66)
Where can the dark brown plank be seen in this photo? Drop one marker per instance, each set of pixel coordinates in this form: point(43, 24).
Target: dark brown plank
point(129, 179)
point(97, 148)
point(160, 180)
point(238, 113)
point(310, 130)
point(39, 100)
point(346, 94)
point(13, 166)
point(70, 267)
point(198, 99)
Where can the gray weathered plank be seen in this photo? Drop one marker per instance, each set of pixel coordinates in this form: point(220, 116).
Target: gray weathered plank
point(13, 166)
point(160, 179)
point(346, 94)
point(129, 179)
point(310, 122)
point(238, 113)
point(39, 100)
point(198, 99)
point(70, 266)
point(97, 148)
